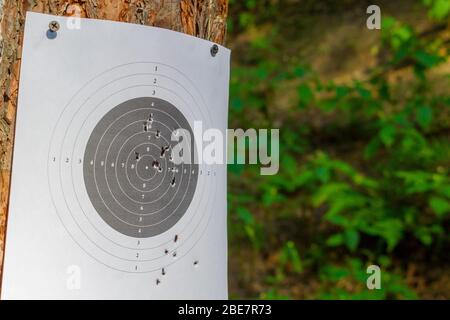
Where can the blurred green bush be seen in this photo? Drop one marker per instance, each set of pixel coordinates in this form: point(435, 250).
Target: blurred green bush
point(364, 164)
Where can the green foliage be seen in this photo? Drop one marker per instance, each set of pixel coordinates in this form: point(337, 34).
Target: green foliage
point(439, 9)
point(354, 273)
point(364, 164)
point(274, 294)
point(290, 257)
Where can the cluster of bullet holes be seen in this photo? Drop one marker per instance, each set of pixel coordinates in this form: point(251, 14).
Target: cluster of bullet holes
point(195, 263)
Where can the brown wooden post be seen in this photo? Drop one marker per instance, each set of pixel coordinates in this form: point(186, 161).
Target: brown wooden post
point(202, 18)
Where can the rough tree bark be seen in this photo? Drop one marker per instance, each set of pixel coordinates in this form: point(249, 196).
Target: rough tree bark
point(202, 18)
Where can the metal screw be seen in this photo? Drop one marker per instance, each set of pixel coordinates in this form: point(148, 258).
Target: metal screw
point(214, 50)
point(53, 26)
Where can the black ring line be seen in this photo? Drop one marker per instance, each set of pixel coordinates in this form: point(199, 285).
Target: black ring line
point(145, 229)
point(139, 133)
point(72, 173)
point(181, 99)
point(128, 159)
point(55, 203)
point(126, 163)
point(187, 225)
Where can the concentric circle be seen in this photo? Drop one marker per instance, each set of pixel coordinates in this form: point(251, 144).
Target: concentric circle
point(129, 172)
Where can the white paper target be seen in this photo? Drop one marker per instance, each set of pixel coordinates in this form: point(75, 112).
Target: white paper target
point(98, 207)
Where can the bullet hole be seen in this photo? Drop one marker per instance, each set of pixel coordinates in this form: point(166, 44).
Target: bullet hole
point(163, 150)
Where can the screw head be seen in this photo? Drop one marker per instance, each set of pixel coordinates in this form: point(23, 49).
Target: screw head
point(214, 50)
point(53, 26)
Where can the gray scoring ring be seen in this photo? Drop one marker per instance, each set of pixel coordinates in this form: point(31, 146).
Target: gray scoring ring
point(105, 144)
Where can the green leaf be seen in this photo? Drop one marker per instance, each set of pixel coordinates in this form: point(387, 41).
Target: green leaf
point(329, 191)
point(341, 92)
point(289, 165)
point(445, 190)
point(426, 59)
point(424, 235)
point(424, 116)
point(334, 273)
point(245, 215)
point(271, 196)
point(236, 104)
point(387, 135)
point(401, 35)
point(363, 92)
point(388, 23)
point(305, 94)
point(323, 174)
point(245, 19)
point(351, 239)
point(389, 229)
point(250, 4)
point(372, 148)
point(300, 71)
point(335, 240)
point(440, 9)
point(290, 254)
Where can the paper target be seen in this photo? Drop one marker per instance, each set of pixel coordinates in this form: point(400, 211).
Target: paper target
point(104, 195)
point(111, 177)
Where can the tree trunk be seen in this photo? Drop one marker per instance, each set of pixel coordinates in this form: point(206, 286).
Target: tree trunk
point(202, 18)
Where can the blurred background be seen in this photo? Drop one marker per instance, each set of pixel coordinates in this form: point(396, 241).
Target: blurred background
point(364, 118)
